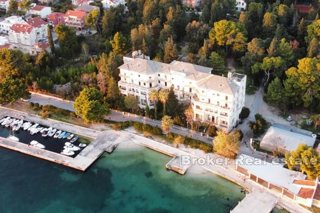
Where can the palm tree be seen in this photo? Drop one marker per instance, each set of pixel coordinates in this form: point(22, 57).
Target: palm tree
point(154, 97)
point(163, 97)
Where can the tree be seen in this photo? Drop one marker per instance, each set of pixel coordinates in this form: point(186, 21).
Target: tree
point(228, 33)
point(284, 13)
point(131, 103)
point(13, 7)
point(166, 124)
point(118, 44)
point(245, 112)
point(113, 90)
point(92, 18)
point(170, 51)
point(67, 39)
point(227, 145)
point(196, 32)
point(189, 115)
point(270, 65)
point(150, 11)
point(50, 40)
point(12, 81)
point(163, 97)
point(89, 105)
point(275, 93)
point(273, 47)
point(172, 105)
point(25, 4)
point(269, 22)
point(302, 83)
point(313, 30)
point(304, 159)
point(154, 97)
point(218, 63)
point(256, 47)
point(259, 126)
point(313, 48)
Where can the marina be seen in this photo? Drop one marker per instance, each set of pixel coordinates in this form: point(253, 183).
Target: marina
point(39, 136)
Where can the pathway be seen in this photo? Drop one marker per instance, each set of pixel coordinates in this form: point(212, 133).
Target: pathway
point(256, 202)
point(118, 116)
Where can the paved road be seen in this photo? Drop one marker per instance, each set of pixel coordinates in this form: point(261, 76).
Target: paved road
point(118, 116)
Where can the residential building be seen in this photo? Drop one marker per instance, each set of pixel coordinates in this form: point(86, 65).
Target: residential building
point(284, 139)
point(4, 5)
point(81, 2)
point(55, 18)
point(40, 10)
point(279, 180)
point(75, 18)
point(7, 23)
point(214, 99)
point(30, 37)
point(112, 3)
point(87, 8)
point(45, 1)
point(192, 3)
point(241, 5)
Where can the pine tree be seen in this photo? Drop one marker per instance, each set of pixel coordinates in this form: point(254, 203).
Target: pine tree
point(313, 48)
point(118, 44)
point(50, 40)
point(170, 51)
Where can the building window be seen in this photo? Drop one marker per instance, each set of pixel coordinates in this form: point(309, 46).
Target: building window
point(159, 75)
point(226, 98)
point(150, 84)
point(139, 83)
point(226, 105)
point(159, 82)
point(144, 84)
point(165, 83)
point(209, 100)
point(190, 89)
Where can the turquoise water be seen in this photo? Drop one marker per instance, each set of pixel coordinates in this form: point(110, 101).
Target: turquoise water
point(126, 181)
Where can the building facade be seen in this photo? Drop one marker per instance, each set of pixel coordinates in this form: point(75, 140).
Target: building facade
point(241, 5)
point(75, 19)
point(30, 37)
point(7, 23)
point(40, 10)
point(214, 99)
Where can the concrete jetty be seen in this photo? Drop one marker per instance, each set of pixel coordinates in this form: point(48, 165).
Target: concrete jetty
point(256, 202)
point(175, 164)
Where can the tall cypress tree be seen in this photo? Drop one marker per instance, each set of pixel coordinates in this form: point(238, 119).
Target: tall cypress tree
point(50, 40)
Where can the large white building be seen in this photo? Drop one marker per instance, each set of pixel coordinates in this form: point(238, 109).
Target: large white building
point(214, 99)
point(30, 37)
point(241, 5)
point(39, 10)
point(7, 23)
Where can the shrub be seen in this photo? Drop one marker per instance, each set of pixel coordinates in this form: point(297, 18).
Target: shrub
point(259, 126)
point(244, 113)
point(211, 131)
point(138, 126)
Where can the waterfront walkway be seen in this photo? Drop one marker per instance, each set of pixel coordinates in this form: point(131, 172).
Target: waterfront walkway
point(118, 116)
point(256, 202)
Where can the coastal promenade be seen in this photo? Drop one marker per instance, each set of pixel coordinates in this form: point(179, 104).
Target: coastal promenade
point(118, 116)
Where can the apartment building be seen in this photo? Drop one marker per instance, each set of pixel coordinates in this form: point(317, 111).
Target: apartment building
point(39, 10)
point(75, 18)
point(7, 23)
point(215, 99)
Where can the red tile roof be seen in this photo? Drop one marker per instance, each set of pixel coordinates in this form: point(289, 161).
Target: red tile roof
point(302, 8)
point(21, 28)
point(305, 182)
point(56, 18)
point(38, 7)
point(43, 45)
point(5, 46)
point(306, 193)
point(76, 13)
point(36, 22)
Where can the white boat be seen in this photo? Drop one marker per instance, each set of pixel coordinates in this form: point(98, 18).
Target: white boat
point(58, 133)
point(62, 135)
point(51, 132)
point(82, 145)
point(5, 121)
point(33, 127)
point(13, 138)
point(37, 144)
point(67, 152)
point(8, 122)
point(14, 122)
point(70, 137)
point(44, 132)
point(35, 130)
point(26, 125)
point(17, 126)
point(66, 135)
point(74, 139)
point(72, 147)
